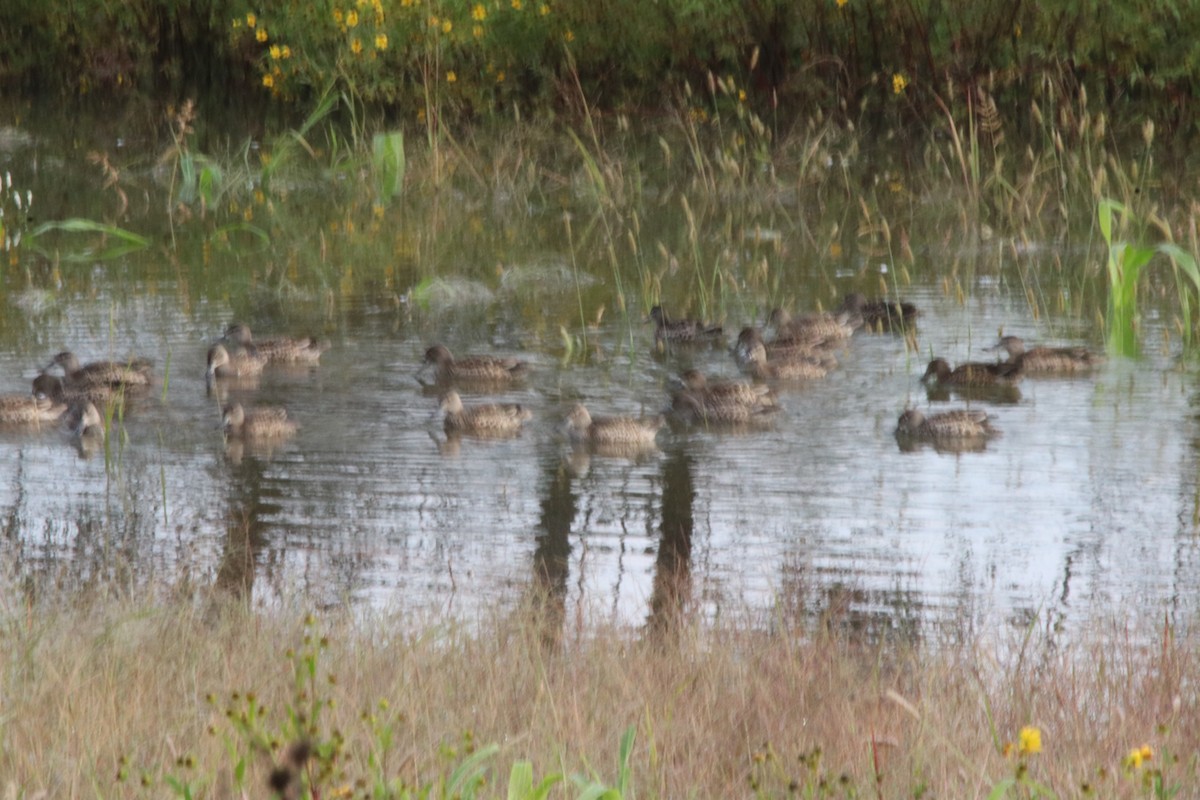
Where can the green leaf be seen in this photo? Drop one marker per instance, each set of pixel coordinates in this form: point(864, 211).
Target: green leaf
point(387, 156)
point(1001, 788)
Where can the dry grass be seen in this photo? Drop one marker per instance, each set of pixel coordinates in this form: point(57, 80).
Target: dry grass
point(97, 699)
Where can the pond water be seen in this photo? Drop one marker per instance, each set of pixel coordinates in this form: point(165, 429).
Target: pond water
point(1086, 502)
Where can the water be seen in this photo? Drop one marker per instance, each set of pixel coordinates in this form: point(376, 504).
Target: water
point(1086, 503)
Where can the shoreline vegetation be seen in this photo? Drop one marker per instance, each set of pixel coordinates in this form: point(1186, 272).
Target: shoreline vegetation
point(121, 698)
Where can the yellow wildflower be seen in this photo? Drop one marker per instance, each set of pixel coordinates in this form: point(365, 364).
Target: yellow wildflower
point(251, 20)
point(477, 31)
point(842, 3)
point(569, 36)
point(500, 76)
point(1138, 756)
point(286, 52)
point(355, 46)
point(479, 13)
point(517, 5)
point(268, 81)
point(351, 18)
point(741, 95)
point(433, 22)
point(899, 82)
point(447, 26)
point(381, 41)
point(337, 16)
point(543, 9)
point(1029, 741)
point(275, 52)
point(451, 77)
point(261, 35)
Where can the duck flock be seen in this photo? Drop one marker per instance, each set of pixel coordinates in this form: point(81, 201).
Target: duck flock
point(799, 349)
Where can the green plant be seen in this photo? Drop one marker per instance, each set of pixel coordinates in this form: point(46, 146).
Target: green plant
point(1125, 261)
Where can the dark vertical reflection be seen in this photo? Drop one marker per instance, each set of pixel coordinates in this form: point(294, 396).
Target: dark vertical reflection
point(550, 557)
point(244, 530)
point(673, 566)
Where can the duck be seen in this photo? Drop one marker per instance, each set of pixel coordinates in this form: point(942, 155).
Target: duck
point(960, 424)
point(85, 421)
point(487, 420)
point(816, 328)
point(238, 364)
point(132, 373)
point(473, 369)
point(56, 389)
point(281, 349)
point(29, 410)
point(681, 331)
point(796, 368)
point(582, 428)
point(751, 347)
point(973, 373)
point(263, 422)
point(696, 408)
point(727, 393)
point(1047, 360)
point(879, 315)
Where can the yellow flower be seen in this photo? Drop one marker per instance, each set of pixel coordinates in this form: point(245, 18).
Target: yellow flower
point(337, 16)
point(479, 13)
point(842, 3)
point(741, 95)
point(433, 22)
point(251, 20)
point(275, 52)
point(355, 46)
point(500, 76)
point(261, 35)
point(351, 18)
point(381, 41)
point(447, 26)
point(1029, 740)
point(451, 77)
point(1139, 755)
point(268, 81)
point(286, 52)
point(517, 5)
point(899, 82)
point(477, 31)
point(543, 9)
point(569, 36)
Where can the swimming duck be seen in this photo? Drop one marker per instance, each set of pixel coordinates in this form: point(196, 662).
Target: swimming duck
point(697, 408)
point(1047, 360)
point(473, 369)
point(56, 389)
point(264, 422)
point(583, 428)
point(491, 419)
point(814, 328)
point(879, 315)
point(281, 349)
point(727, 392)
point(131, 373)
point(960, 424)
point(750, 347)
point(973, 373)
point(85, 421)
point(681, 331)
point(796, 368)
point(238, 364)
point(21, 410)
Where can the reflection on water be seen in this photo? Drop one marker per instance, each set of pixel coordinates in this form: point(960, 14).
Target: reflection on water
point(1087, 499)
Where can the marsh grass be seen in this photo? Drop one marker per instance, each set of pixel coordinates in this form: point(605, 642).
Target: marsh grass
point(119, 698)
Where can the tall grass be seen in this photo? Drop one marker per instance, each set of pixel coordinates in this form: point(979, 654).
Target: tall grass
point(228, 700)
